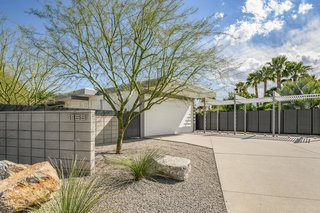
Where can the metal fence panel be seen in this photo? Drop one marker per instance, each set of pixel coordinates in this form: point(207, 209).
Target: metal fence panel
point(208, 121)
point(265, 121)
point(304, 121)
point(252, 121)
point(240, 120)
point(213, 121)
point(199, 122)
point(230, 121)
point(223, 121)
point(316, 121)
point(290, 121)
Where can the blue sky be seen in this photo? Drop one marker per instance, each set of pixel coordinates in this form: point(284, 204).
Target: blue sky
point(260, 29)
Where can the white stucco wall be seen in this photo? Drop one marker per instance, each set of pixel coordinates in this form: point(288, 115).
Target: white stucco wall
point(170, 117)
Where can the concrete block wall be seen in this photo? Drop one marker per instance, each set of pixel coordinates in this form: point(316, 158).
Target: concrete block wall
point(106, 129)
point(33, 136)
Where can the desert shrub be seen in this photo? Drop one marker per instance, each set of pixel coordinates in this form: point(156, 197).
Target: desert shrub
point(78, 194)
point(140, 166)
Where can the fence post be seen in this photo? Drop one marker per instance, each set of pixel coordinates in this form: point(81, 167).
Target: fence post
point(194, 116)
point(218, 117)
point(279, 117)
point(245, 119)
point(235, 114)
point(273, 113)
point(204, 115)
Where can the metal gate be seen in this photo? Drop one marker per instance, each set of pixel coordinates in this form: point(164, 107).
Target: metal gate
point(133, 130)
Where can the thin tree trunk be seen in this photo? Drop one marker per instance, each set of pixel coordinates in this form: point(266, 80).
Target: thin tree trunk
point(264, 88)
point(256, 88)
point(278, 81)
point(121, 131)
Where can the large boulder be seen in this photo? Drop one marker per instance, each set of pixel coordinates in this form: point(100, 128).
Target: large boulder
point(30, 186)
point(8, 168)
point(174, 167)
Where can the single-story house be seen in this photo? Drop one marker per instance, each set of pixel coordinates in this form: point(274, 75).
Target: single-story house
point(173, 116)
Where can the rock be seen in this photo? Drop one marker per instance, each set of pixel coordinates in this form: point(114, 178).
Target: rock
point(33, 185)
point(174, 167)
point(8, 168)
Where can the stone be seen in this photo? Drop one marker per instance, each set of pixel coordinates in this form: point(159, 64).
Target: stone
point(174, 167)
point(8, 168)
point(32, 185)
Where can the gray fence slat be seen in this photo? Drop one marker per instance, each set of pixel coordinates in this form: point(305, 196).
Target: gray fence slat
point(304, 121)
point(265, 121)
point(223, 121)
point(316, 121)
point(290, 121)
point(240, 120)
point(252, 121)
point(213, 121)
point(199, 122)
point(230, 121)
point(208, 121)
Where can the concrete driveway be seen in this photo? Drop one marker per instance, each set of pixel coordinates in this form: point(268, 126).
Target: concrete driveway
point(259, 174)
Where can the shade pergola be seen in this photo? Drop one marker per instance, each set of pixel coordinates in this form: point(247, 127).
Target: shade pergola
point(241, 100)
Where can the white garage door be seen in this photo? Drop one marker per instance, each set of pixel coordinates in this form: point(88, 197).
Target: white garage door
point(170, 117)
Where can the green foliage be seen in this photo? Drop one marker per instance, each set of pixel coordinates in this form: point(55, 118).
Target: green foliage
point(141, 166)
point(304, 85)
point(27, 76)
point(278, 68)
point(78, 194)
point(253, 80)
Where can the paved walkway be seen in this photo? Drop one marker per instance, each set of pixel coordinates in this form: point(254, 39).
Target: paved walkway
point(259, 174)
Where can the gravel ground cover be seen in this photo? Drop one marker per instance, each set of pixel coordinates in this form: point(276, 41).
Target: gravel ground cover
point(200, 193)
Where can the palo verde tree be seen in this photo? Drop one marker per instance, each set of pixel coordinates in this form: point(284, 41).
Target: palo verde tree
point(27, 76)
point(145, 50)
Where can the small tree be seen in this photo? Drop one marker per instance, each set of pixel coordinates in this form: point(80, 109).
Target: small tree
point(26, 76)
point(146, 50)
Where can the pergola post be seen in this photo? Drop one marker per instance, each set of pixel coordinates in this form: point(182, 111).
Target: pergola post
point(235, 114)
point(273, 113)
point(279, 117)
point(194, 115)
point(245, 119)
point(218, 117)
point(204, 115)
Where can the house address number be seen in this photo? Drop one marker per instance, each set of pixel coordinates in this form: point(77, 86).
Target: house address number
point(77, 117)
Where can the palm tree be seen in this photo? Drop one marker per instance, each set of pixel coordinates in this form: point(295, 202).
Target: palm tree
point(278, 67)
point(296, 70)
point(266, 74)
point(241, 87)
point(304, 85)
point(253, 80)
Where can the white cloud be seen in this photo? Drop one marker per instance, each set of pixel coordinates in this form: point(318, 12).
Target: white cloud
point(304, 8)
point(261, 18)
point(279, 8)
point(272, 25)
point(219, 15)
point(256, 8)
point(300, 45)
